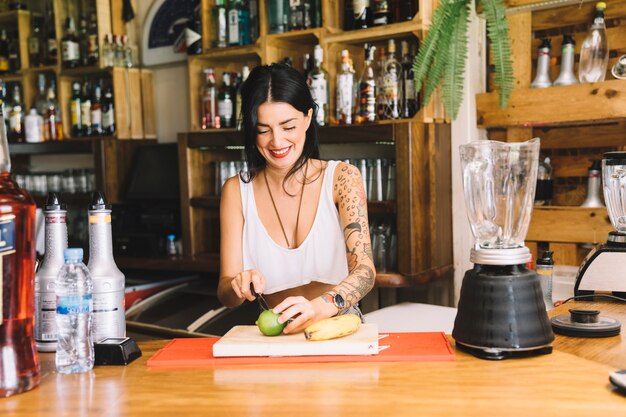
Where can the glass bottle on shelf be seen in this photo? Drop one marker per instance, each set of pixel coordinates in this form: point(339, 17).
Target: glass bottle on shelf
point(127, 52)
point(238, 23)
point(245, 72)
point(366, 106)
point(403, 10)
point(318, 84)
point(392, 75)
point(220, 39)
point(118, 51)
point(345, 91)
point(380, 87)
point(408, 103)
point(253, 7)
point(96, 111)
point(33, 126)
point(308, 14)
point(381, 13)
point(594, 185)
point(83, 41)
point(276, 16)
point(16, 117)
point(225, 102)
point(85, 108)
point(594, 52)
point(75, 110)
point(108, 113)
point(208, 101)
point(41, 100)
point(35, 46)
point(14, 54)
point(93, 49)
point(362, 14)
point(53, 121)
point(566, 76)
point(70, 50)
point(296, 14)
point(4, 51)
point(108, 51)
point(50, 53)
point(20, 363)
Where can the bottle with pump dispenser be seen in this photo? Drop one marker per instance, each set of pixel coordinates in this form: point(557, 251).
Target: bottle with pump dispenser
point(55, 218)
point(108, 280)
point(594, 52)
point(594, 186)
point(542, 79)
point(566, 76)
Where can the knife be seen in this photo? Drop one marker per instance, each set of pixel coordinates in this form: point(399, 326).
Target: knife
point(262, 303)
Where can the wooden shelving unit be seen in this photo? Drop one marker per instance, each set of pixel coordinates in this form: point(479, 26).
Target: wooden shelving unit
point(576, 123)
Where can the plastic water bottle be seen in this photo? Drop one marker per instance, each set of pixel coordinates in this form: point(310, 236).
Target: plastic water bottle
point(594, 52)
point(74, 315)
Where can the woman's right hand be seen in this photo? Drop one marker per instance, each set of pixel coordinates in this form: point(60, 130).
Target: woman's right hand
point(241, 284)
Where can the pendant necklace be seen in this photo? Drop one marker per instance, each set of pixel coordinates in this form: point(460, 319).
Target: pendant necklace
point(276, 210)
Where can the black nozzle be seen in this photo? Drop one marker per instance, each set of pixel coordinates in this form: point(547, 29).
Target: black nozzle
point(53, 203)
point(567, 39)
point(99, 201)
point(596, 166)
point(546, 258)
point(545, 43)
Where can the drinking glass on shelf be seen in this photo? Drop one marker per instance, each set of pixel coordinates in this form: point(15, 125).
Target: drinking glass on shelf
point(390, 192)
point(376, 180)
point(380, 247)
point(69, 184)
point(80, 180)
point(54, 180)
point(363, 168)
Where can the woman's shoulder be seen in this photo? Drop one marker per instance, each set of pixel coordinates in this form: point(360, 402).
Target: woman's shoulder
point(231, 192)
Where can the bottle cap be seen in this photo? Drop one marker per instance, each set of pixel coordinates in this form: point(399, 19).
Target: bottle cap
point(73, 254)
point(567, 39)
point(600, 5)
point(391, 46)
point(171, 237)
point(546, 258)
point(53, 203)
point(595, 166)
point(545, 43)
point(99, 201)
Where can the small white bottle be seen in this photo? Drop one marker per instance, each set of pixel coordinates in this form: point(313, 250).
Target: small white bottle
point(566, 76)
point(594, 52)
point(33, 127)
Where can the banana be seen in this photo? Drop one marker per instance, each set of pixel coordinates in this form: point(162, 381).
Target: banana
point(333, 327)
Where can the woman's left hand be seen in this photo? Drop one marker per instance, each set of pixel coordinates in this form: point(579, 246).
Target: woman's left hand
point(301, 312)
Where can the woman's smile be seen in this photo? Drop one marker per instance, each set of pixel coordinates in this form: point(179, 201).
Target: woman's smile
point(281, 152)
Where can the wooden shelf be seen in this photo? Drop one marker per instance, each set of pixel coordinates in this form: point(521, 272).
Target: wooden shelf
point(68, 146)
point(566, 105)
point(12, 77)
point(43, 68)
point(9, 18)
point(381, 207)
point(204, 263)
point(228, 53)
point(392, 30)
point(569, 224)
point(84, 71)
point(308, 36)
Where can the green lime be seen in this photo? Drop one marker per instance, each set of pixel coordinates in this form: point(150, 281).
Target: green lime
point(268, 323)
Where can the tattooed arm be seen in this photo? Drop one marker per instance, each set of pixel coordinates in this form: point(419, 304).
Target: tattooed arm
point(350, 198)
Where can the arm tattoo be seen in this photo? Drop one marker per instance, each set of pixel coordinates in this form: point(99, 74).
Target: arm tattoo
point(354, 290)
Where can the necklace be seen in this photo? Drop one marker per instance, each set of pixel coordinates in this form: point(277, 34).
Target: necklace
point(276, 210)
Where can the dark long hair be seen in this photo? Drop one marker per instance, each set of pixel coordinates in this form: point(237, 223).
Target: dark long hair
point(276, 83)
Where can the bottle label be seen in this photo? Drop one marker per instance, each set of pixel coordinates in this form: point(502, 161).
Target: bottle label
point(96, 118)
point(85, 113)
point(7, 247)
point(70, 51)
point(74, 304)
point(45, 316)
point(368, 100)
point(108, 315)
point(233, 26)
point(33, 46)
point(15, 119)
point(4, 64)
point(99, 218)
point(108, 118)
point(33, 128)
point(319, 89)
point(92, 46)
point(345, 98)
point(52, 46)
point(409, 89)
point(75, 112)
point(225, 108)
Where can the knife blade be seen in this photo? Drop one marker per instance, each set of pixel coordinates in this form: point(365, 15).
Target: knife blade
point(262, 303)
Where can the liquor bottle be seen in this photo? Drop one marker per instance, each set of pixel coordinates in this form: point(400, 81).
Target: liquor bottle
point(4, 52)
point(318, 84)
point(193, 33)
point(55, 220)
point(70, 50)
point(16, 117)
point(225, 102)
point(41, 100)
point(220, 38)
point(380, 85)
point(253, 7)
point(96, 112)
point(392, 75)
point(566, 76)
point(381, 13)
point(35, 45)
point(127, 52)
point(276, 16)
point(594, 52)
point(85, 109)
point(14, 54)
point(362, 14)
point(108, 114)
point(245, 72)
point(50, 37)
point(307, 65)
point(83, 42)
point(296, 15)
point(594, 185)
point(238, 23)
point(317, 13)
point(53, 121)
point(118, 51)
point(33, 127)
point(208, 101)
point(20, 363)
point(108, 280)
point(367, 89)
point(403, 10)
point(308, 14)
point(345, 91)
point(75, 110)
point(408, 103)
point(93, 49)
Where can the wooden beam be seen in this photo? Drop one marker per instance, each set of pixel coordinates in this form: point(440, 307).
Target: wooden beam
point(569, 225)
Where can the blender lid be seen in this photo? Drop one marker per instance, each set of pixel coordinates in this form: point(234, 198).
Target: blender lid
point(585, 323)
point(614, 158)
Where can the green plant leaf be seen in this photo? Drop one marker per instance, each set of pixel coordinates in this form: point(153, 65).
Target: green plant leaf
point(498, 33)
point(454, 72)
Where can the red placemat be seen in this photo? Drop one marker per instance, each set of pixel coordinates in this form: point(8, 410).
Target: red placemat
point(394, 347)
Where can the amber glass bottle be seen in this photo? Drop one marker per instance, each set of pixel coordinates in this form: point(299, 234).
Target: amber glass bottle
point(19, 366)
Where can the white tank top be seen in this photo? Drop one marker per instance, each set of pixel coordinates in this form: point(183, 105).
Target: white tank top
point(321, 256)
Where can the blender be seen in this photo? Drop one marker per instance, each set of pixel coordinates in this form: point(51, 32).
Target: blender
point(603, 270)
point(501, 313)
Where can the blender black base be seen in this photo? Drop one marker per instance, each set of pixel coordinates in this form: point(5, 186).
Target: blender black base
point(496, 355)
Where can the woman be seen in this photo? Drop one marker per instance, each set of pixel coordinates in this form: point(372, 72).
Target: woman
point(294, 227)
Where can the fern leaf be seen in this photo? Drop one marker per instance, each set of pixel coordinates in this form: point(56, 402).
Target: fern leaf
point(441, 59)
point(498, 33)
point(453, 76)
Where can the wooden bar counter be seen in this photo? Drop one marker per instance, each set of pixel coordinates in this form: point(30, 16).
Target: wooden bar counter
point(560, 384)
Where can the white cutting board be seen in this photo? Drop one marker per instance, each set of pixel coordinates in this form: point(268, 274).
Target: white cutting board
point(249, 341)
